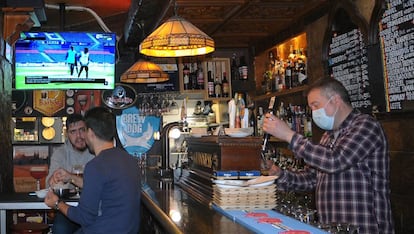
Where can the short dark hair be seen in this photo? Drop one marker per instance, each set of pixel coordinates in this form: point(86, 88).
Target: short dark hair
point(102, 121)
point(330, 86)
point(73, 118)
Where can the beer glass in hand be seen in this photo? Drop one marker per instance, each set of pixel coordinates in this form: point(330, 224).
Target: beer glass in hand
point(78, 171)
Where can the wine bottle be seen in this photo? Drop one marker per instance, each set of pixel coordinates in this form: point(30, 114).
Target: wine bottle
point(210, 84)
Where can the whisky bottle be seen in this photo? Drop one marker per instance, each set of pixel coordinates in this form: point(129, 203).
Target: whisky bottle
point(210, 84)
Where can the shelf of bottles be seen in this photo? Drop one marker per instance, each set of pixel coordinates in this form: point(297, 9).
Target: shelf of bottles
point(217, 79)
point(286, 67)
point(297, 117)
point(211, 77)
point(191, 76)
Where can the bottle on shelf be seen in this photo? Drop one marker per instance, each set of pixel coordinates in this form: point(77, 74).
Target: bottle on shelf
point(210, 84)
point(186, 77)
point(243, 69)
point(259, 122)
point(225, 85)
point(193, 76)
point(302, 77)
point(288, 75)
point(217, 87)
point(200, 76)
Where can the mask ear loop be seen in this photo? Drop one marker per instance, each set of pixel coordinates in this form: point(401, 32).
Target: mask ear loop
point(337, 108)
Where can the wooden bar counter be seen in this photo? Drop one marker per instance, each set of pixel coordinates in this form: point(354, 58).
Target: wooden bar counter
point(163, 202)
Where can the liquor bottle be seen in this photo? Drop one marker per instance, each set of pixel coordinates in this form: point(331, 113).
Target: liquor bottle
point(295, 74)
point(200, 76)
point(186, 77)
point(288, 75)
point(302, 77)
point(243, 69)
point(210, 84)
point(226, 85)
point(259, 122)
point(281, 81)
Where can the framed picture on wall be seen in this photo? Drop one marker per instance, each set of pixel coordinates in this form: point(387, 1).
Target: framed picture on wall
point(30, 167)
point(30, 154)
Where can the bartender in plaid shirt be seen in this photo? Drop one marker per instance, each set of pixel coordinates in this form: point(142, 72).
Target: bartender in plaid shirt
point(349, 168)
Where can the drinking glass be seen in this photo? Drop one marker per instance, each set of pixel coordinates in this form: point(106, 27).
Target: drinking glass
point(38, 173)
point(78, 171)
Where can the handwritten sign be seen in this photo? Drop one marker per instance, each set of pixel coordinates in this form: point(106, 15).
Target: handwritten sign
point(397, 40)
point(348, 63)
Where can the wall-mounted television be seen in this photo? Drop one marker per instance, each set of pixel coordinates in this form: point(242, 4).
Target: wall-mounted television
point(65, 60)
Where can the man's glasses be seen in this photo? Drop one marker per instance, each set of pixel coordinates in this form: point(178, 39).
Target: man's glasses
point(76, 131)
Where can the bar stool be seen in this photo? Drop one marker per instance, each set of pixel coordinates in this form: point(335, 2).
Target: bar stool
point(30, 228)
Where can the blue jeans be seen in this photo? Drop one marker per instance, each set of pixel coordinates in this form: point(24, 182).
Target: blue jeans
point(63, 225)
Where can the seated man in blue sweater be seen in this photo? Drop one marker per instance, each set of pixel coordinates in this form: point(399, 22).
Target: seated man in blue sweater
point(110, 200)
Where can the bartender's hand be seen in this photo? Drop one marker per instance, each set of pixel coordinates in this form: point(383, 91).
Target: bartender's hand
point(59, 175)
point(277, 128)
point(273, 169)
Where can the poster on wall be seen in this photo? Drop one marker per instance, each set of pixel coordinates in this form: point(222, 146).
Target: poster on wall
point(397, 42)
point(136, 131)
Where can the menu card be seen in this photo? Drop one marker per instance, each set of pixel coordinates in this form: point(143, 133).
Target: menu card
point(348, 63)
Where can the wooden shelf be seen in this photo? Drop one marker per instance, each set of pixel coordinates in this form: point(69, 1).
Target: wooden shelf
point(281, 93)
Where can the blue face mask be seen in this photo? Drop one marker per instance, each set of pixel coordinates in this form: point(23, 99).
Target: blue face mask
point(321, 119)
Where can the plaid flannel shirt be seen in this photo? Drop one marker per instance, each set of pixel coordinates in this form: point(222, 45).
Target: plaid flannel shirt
point(349, 170)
